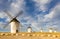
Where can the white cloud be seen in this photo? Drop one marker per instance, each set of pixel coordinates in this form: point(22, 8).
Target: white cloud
point(13, 9)
point(42, 1)
point(41, 4)
point(55, 13)
point(16, 6)
point(53, 17)
point(2, 14)
point(41, 19)
point(48, 20)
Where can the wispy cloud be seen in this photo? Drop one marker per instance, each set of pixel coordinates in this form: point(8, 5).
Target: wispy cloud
point(53, 17)
point(42, 4)
point(54, 13)
point(13, 8)
point(37, 21)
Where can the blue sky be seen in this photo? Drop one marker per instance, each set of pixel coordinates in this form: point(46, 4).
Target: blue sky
point(38, 14)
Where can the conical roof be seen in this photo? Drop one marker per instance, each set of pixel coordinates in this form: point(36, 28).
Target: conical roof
point(14, 19)
point(29, 27)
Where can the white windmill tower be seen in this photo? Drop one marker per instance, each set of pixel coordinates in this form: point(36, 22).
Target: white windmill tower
point(50, 30)
point(29, 29)
point(55, 29)
point(41, 30)
point(14, 23)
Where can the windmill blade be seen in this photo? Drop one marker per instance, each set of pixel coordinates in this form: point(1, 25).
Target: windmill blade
point(8, 14)
point(6, 25)
point(18, 14)
point(21, 25)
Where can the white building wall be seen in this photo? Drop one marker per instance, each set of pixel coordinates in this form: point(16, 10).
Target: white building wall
point(29, 30)
point(14, 26)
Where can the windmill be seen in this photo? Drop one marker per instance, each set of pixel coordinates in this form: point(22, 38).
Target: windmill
point(52, 29)
point(14, 23)
point(55, 29)
point(41, 30)
point(29, 29)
